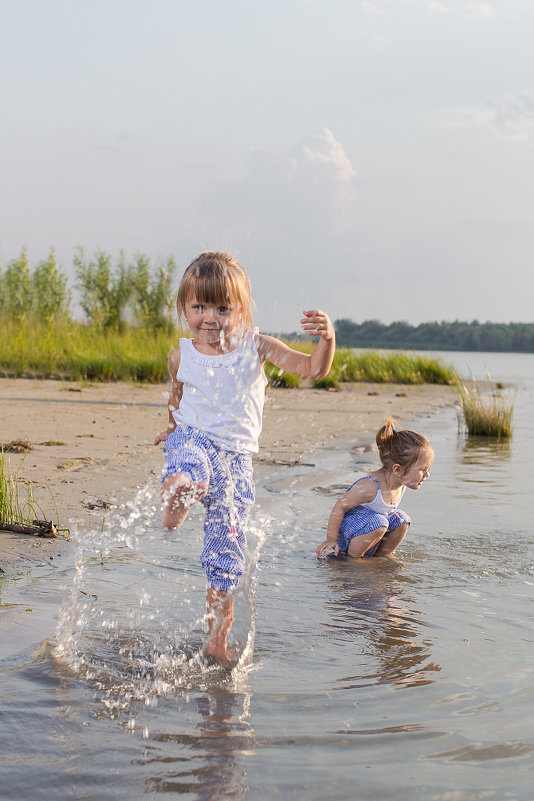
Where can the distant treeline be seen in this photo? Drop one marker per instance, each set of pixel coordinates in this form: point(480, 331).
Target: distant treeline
point(474, 336)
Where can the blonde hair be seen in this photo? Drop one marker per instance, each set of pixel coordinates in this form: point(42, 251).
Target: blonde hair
point(217, 277)
point(402, 447)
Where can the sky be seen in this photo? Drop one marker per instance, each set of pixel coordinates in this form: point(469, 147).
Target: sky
point(373, 158)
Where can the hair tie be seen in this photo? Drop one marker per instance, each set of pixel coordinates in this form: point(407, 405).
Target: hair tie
point(394, 430)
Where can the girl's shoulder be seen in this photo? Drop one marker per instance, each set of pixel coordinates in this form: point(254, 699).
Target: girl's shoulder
point(365, 488)
point(371, 483)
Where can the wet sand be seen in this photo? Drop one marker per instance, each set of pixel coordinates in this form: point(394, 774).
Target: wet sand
point(92, 443)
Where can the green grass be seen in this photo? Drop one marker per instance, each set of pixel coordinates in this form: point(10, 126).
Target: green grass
point(491, 417)
point(280, 378)
point(87, 353)
point(84, 352)
point(390, 368)
point(17, 504)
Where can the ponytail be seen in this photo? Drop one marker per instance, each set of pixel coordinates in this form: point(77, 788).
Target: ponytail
point(402, 447)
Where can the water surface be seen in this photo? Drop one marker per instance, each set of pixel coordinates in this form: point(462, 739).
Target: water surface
point(407, 679)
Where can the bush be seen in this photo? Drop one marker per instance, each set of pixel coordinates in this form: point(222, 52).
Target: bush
point(16, 284)
point(105, 290)
point(152, 296)
point(50, 296)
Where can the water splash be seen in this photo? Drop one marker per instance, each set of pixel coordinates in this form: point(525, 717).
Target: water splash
point(133, 621)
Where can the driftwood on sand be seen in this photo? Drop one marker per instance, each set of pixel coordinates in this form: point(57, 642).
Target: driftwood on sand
point(39, 528)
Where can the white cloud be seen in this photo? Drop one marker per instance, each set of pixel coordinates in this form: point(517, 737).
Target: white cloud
point(474, 11)
point(510, 118)
point(314, 178)
point(322, 152)
point(436, 6)
point(478, 11)
point(372, 8)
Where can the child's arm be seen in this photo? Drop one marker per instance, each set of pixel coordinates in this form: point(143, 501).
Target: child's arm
point(362, 492)
point(175, 395)
point(315, 365)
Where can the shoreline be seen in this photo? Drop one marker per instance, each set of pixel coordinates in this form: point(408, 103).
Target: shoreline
point(92, 443)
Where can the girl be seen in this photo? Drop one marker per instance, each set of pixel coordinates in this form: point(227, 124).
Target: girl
point(215, 414)
point(365, 521)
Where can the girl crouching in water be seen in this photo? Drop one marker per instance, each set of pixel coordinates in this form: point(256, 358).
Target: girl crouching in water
point(366, 520)
point(215, 417)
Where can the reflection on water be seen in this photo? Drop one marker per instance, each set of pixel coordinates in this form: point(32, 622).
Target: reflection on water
point(370, 607)
point(191, 742)
point(209, 762)
point(484, 451)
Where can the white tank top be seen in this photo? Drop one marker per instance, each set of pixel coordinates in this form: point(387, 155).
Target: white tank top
point(223, 395)
point(378, 504)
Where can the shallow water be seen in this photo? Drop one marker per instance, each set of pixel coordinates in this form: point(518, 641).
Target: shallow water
point(407, 679)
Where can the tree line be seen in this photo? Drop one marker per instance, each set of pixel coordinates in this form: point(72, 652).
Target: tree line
point(115, 292)
point(465, 336)
point(112, 292)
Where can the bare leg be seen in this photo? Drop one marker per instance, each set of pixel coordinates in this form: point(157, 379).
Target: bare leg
point(220, 619)
point(358, 546)
point(392, 540)
point(178, 494)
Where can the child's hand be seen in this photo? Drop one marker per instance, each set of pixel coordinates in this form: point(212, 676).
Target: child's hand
point(316, 323)
point(161, 437)
point(326, 546)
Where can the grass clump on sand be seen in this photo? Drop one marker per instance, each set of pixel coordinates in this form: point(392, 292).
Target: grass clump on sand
point(17, 504)
point(488, 418)
point(19, 511)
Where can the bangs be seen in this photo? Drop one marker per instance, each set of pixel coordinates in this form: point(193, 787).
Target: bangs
point(211, 286)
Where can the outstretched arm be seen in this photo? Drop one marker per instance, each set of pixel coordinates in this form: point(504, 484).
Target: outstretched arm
point(175, 395)
point(315, 365)
point(362, 492)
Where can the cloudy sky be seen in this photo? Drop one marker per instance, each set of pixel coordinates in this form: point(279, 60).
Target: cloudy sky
point(371, 157)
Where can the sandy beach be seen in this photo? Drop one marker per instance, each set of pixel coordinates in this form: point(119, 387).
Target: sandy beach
point(92, 443)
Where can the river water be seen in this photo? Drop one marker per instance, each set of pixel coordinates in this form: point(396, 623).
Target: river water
point(380, 679)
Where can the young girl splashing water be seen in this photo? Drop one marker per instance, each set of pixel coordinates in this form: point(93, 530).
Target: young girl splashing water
point(366, 520)
point(215, 416)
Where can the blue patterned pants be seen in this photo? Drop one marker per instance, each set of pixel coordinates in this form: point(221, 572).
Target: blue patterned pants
point(362, 520)
point(228, 499)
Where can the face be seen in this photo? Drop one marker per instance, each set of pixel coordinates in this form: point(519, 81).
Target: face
point(413, 476)
point(210, 323)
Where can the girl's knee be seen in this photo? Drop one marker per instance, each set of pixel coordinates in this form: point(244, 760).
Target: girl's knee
point(359, 545)
point(178, 494)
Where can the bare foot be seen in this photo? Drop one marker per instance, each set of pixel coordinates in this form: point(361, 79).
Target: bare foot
point(223, 657)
